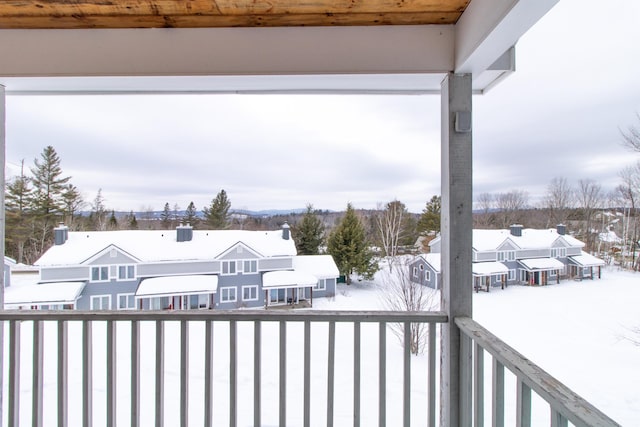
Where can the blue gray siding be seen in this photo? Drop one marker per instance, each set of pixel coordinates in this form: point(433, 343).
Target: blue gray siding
point(113, 256)
point(64, 274)
point(177, 268)
point(111, 288)
point(275, 264)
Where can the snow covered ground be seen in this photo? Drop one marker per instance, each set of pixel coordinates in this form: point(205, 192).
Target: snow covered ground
point(575, 330)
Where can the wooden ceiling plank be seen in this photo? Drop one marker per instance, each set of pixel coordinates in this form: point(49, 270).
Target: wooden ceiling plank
point(203, 21)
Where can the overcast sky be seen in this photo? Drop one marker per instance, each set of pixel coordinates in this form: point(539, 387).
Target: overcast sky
point(577, 83)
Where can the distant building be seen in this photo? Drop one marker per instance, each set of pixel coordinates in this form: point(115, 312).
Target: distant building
point(515, 256)
point(181, 269)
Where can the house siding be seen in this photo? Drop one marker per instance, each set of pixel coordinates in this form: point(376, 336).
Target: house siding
point(237, 281)
point(533, 253)
point(485, 256)
point(64, 274)
point(329, 291)
point(177, 268)
point(107, 259)
point(112, 288)
point(275, 264)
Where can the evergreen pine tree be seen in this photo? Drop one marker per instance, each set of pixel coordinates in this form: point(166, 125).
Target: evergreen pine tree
point(18, 199)
point(113, 221)
point(191, 215)
point(348, 245)
point(47, 204)
point(430, 218)
point(217, 214)
point(133, 222)
point(73, 202)
point(309, 235)
point(165, 217)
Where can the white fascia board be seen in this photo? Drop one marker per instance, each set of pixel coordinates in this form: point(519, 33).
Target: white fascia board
point(489, 28)
point(202, 52)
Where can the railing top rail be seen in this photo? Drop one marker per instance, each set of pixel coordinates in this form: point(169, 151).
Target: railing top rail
point(560, 397)
point(225, 315)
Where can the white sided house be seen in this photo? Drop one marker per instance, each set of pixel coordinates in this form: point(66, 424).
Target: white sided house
point(181, 269)
point(515, 256)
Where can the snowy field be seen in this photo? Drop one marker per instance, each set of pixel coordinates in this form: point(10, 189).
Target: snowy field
point(575, 331)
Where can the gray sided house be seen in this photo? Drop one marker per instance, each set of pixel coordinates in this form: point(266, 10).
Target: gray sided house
point(527, 256)
point(182, 269)
point(424, 269)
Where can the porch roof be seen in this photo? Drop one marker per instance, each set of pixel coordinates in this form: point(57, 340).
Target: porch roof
point(43, 294)
point(586, 260)
point(165, 46)
point(489, 268)
point(288, 279)
point(541, 264)
point(177, 286)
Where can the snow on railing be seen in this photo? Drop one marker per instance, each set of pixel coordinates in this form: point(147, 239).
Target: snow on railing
point(97, 341)
point(564, 405)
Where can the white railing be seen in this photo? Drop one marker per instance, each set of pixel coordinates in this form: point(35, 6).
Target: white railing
point(564, 405)
point(145, 327)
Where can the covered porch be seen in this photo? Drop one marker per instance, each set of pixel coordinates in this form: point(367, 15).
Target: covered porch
point(585, 266)
point(451, 48)
point(288, 288)
point(540, 271)
point(194, 292)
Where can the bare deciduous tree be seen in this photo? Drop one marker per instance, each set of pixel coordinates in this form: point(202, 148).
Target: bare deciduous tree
point(590, 198)
point(629, 194)
point(399, 293)
point(389, 222)
point(511, 206)
point(631, 138)
point(485, 203)
point(559, 200)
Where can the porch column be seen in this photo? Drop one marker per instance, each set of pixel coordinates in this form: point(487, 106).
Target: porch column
point(2, 219)
point(456, 230)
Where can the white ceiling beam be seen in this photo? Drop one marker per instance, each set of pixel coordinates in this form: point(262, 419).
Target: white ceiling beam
point(489, 28)
point(227, 51)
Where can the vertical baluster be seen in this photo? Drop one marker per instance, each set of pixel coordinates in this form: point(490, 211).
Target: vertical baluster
point(356, 374)
point(283, 374)
point(478, 390)
point(523, 409)
point(406, 382)
point(184, 373)
point(497, 400)
point(432, 375)
point(208, 374)
point(63, 370)
point(37, 382)
point(159, 413)
point(257, 373)
point(331, 359)
point(466, 378)
point(382, 375)
point(557, 420)
point(135, 373)
point(87, 374)
point(111, 373)
point(307, 373)
point(14, 373)
point(233, 375)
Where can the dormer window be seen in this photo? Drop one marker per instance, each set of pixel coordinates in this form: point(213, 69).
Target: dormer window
point(126, 272)
point(506, 256)
point(100, 274)
point(228, 267)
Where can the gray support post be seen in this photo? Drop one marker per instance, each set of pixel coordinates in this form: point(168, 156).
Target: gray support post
point(456, 229)
point(2, 185)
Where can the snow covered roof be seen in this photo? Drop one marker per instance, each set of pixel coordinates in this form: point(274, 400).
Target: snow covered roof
point(586, 260)
point(288, 279)
point(532, 264)
point(433, 259)
point(490, 240)
point(489, 268)
point(177, 285)
point(161, 245)
point(43, 294)
point(610, 237)
point(320, 266)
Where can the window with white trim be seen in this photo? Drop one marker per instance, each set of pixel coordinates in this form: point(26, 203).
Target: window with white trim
point(558, 252)
point(506, 256)
point(250, 293)
point(100, 302)
point(100, 274)
point(427, 276)
point(250, 266)
point(321, 285)
point(228, 294)
point(415, 272)
point(126, 272)
point(228, 267)
point(126, 301)
point(512, 275)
